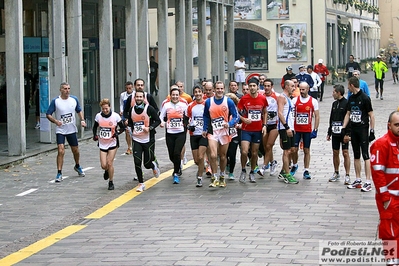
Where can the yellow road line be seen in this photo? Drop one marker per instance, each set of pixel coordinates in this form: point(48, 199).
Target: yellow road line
point(40, 245)
point(116, 203)
point(106, 209)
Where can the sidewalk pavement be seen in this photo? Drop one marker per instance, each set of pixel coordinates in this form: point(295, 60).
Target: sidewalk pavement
point(267, 223)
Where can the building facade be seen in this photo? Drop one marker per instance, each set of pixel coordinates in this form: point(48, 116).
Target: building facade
point(97, 45)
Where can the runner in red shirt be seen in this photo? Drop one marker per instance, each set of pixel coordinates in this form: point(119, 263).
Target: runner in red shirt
point(252, 108)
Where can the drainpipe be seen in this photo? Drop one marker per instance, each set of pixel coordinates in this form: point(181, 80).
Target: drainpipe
point(311, 36)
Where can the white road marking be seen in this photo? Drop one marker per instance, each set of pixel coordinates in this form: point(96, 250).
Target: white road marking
point(26, 192)
point(161, 138)
point(87, 169)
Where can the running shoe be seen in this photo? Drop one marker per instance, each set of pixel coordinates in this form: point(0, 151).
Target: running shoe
point(281, 174)
point(347, 180)
point(156, 170)
point(140, 187)
point(58, 178)
point(356, 184)
point(110, 185)
point(135, 178)
point(79, 170)
point(293, 170)
point(248, 162)
point(289, 179)
point(242, 176)
point(185, 160)
point(231, 176)
point(262, 170)
point(366, 187)
point(306, 175)
point(382, 98)
point(214, 181)
point(180, 172)
point(335, 177)
point(256, 169)
point(222, 182)
point(37, 125)
point(252, 178)
point(176, 179)
point(377, 95)
point(106, 175)
point(273, 168)
point(199, 182)
point(128, 151)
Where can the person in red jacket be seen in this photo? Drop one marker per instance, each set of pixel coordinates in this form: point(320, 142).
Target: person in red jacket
point(322, 71)
point(384, 163)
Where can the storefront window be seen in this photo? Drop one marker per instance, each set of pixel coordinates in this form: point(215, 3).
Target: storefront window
point(254, 47)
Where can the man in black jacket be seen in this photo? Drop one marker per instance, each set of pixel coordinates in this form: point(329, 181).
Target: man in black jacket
point(337, 115)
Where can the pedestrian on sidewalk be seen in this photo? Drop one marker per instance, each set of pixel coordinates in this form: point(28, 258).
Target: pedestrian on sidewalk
point(394, 60)
point(65, 106)
point(384, 169)
point(359, 113)
point(363, 86)
point(107, 138)
point(122, 103)
point(323, 72)
point(379, 68)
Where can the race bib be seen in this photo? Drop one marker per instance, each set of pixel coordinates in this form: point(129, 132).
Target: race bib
point(271, 116)
point(105, 132)
point(175, 123)
point(138, 127)
point(336, 127)
point(218, 123)
point(232, 131)
point(198, 121)
point(254, 115)
point(356, 116)
point(66, 119)
point(302, 119)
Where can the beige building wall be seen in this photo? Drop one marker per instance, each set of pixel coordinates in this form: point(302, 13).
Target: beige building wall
point(389, 21)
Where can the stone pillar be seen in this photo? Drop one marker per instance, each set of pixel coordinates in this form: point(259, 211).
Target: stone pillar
point(106, 51)
point(180, 73)
point(214, 41)
point(143, 43)
point(15, 78)
point(221, 42)
point(75, 54)
point(202, 51)
point(57, 70)
point(131, 40)
point(189, 46)
point(230, 41)
point(163, 50)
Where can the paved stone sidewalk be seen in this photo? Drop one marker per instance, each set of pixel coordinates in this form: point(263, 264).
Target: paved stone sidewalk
point(267, 223)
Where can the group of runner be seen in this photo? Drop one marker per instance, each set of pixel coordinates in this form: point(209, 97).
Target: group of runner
point(220, 121)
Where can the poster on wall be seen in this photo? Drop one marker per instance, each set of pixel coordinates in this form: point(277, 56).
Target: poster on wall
point(247, 9)
point(278, 9)
point(291, 42)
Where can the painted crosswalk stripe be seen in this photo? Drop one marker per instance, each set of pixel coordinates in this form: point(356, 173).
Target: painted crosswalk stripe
point(26, 192)
point(161, 139)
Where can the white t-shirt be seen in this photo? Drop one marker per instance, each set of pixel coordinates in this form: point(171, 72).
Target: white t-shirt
point(238, 63)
